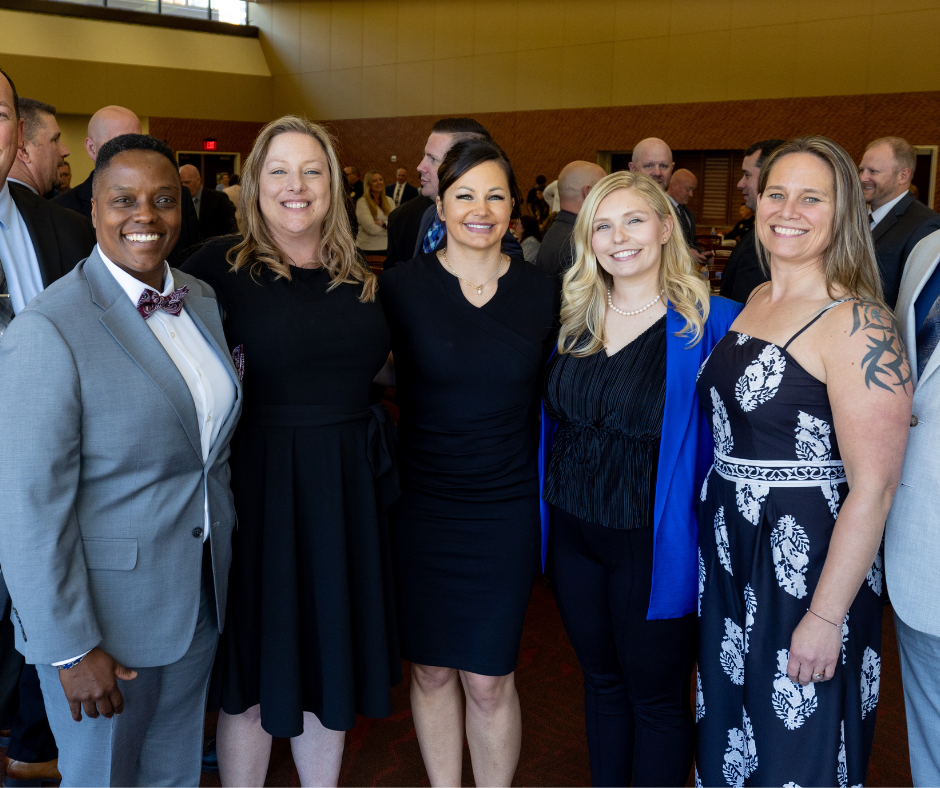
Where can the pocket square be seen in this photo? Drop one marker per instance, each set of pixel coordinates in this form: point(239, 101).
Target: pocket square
point(238, 358)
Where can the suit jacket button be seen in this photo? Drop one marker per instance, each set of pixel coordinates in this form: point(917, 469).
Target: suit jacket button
point(914, 421)
point(197, 532)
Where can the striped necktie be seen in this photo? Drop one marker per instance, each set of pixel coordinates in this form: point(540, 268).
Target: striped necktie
point(928, 337)
point(435, 233)
point(6, 308)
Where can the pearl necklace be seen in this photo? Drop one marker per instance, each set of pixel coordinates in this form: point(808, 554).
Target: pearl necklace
point(478, 288)
point(610, 303)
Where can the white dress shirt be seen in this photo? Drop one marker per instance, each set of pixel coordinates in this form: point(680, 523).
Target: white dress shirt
point(879, 214)
point(396, 196)
point(206, 376)
point(17, 255)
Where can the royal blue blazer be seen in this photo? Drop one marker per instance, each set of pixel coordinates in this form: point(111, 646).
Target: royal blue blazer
point(686, 453)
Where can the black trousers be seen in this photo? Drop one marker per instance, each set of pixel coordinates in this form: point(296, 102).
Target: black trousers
point(637, 673)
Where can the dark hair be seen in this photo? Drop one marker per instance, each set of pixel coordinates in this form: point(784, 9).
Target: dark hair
point(766, 147)
point(351, 167)
point(530, 228)
point(233, 179)
point(128, 142)
point(467, 154)
point(16, 98)
point(461, 129)
point(30, 110)
point(540, 180)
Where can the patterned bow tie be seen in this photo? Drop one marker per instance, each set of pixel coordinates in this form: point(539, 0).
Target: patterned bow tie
point(151, 302)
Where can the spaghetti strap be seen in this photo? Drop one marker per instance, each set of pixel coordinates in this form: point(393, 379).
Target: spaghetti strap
point(821, 313)
point(754, 292)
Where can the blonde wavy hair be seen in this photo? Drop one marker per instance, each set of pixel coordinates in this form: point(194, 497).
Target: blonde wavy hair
point(367, 194)
point(257, 248)
point(584, 288)
point(849, 261)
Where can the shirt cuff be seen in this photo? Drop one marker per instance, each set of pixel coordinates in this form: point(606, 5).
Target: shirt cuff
point(66, 661)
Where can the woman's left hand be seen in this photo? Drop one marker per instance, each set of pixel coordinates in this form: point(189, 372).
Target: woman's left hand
point(814, 649)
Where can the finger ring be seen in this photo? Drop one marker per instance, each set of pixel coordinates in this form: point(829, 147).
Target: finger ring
point(818, 676)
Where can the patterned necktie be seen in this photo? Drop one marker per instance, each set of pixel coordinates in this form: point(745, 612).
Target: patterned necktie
point(928, 337)
point(435, 233)
point(151, 302)
point(6, 308)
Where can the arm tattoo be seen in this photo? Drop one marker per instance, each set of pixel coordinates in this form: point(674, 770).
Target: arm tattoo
point(885, 358)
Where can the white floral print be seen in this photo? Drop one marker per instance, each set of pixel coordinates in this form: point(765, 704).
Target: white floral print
point(732, 652)
point(750, 497)
point(699, 698)
point(701, 580)
point(845, 632)
point(721, 428)
point(875, 576)
point(870, 681)
point(761, 379)
point(792, 702)
point(813, 444)
point(750, 610)
point(701, 367)
point(742, 338)
point(704, 494)
point(790, 547)
point(721, 540)
point(741, 754)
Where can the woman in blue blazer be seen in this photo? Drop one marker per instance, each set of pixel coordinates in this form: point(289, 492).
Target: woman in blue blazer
point(630, 448)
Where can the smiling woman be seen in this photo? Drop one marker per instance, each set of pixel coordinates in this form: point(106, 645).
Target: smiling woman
point(135, 205)
point(310, 640)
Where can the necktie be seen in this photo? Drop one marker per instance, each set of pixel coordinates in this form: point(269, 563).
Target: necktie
point(928, 337)
point(398, 190)
point(6, 308)
point(435, 233)
point(196, 206)
point(151, 302)
point(871, 221)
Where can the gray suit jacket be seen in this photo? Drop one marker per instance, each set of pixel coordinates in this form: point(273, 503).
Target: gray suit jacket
point(912, 536)
point(102, 478)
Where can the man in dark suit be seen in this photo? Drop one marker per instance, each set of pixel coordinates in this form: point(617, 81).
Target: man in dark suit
point(403, 225)
point(743, 272)
point(576, 179)
point(682, 186)
point(37, 161)
point(106, 124)
point(215, 210)
point(39, 243)
point(401, 191)
point(356, 188)
point(898, 221)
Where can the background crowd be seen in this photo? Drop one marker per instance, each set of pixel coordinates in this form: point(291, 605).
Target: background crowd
point(709, 492)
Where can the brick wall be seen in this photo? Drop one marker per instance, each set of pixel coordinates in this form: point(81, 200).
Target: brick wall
point(543, 141)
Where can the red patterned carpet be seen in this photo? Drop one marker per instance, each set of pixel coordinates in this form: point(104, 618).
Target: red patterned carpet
point(554, 753)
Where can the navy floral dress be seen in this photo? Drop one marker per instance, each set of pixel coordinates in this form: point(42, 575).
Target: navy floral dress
point(767, 512)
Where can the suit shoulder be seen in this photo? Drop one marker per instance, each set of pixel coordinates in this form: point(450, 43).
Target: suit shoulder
point(196, 286)
point(61, 296)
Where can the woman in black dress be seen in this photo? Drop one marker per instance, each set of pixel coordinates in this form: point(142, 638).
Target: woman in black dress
point(310, 636)
point(809, 397)
point(629, 452)
point(469, 331)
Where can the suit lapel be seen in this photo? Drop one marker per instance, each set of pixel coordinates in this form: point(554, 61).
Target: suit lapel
point(41, 231)
point(130, 331)
point(892, 218)
point(681, 366)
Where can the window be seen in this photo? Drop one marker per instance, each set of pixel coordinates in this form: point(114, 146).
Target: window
point(232, 11)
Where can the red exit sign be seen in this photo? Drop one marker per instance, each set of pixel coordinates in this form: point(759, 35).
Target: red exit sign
point(210, 143)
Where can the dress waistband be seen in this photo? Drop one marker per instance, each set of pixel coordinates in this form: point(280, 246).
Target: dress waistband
point(780, 473)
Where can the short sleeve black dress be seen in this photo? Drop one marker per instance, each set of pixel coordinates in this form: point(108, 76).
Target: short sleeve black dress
point(310, 624)
point(465, 532)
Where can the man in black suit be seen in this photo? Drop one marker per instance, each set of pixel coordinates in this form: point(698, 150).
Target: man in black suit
point(743, 272)
point(576, 179)
point(39, 243)
point(898, 221)
point(404, 223)
point(37, 161)
point(215, 210)
point(401, 191)
point(106, 124)
point(356, 188)
point(682, 186)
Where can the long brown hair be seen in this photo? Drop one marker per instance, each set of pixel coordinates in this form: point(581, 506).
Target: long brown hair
point(849, 262)
point(257, 249)
point(584, 287)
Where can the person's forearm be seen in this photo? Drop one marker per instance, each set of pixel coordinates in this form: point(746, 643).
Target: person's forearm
point(856, 538)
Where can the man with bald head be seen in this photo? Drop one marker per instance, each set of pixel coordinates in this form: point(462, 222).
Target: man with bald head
point(106, 124)
point(574, 183)
point(653, 157)
point(682, 186)
point(215, 210)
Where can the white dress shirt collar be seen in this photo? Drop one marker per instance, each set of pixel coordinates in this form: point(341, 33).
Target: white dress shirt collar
point(134, 287)
point(6, 206)
point(884, 210)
